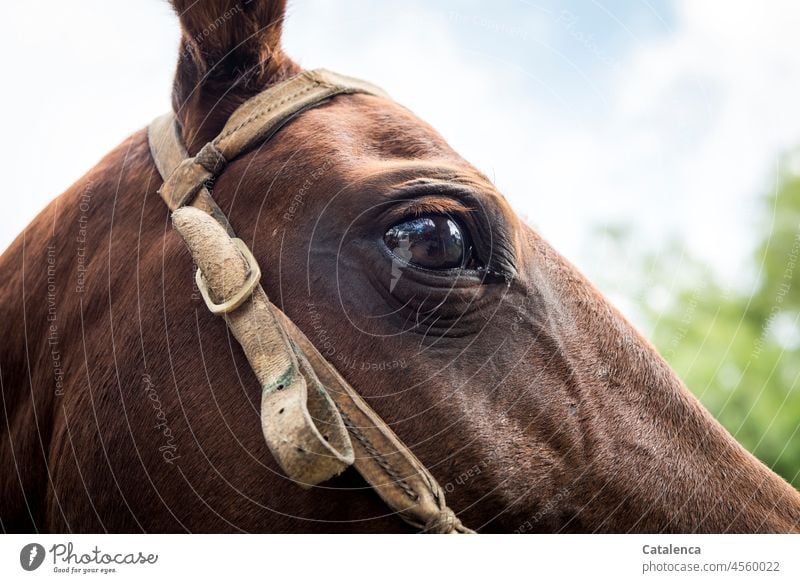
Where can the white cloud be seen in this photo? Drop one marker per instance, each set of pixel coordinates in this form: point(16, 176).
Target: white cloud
point(678, 136)
point(713, 107)
point(79, 78)
point(687, 131)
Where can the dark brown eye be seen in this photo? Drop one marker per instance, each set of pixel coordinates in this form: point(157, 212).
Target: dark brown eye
point(433, 242)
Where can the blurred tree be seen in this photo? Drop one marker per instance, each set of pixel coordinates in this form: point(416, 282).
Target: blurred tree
point(738, 350)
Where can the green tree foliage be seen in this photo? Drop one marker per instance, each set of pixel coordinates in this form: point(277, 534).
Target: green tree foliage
point(738, 350)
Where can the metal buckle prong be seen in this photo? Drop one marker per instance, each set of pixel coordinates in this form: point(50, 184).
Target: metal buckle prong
point(237, 299)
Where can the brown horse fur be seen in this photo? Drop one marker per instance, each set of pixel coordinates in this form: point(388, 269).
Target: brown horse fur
point(127, 407)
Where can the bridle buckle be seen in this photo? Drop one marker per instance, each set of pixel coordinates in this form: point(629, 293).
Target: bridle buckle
point(238, 298)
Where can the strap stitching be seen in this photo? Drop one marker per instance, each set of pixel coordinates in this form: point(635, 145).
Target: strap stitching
point(379, 459)
point(264, 112)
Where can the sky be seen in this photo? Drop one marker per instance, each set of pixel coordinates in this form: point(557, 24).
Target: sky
point(668, 116)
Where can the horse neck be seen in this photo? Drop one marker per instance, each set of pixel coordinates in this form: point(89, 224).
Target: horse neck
point(658, 460)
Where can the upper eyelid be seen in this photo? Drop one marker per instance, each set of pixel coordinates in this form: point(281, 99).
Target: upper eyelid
point(451, 190)
point(427, 205)
point(433, 196)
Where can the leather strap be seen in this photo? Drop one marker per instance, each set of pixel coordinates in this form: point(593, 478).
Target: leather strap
point(168, 152)
point(384, 461)
point(302, 428)
point(306, 432)
point(255, 121)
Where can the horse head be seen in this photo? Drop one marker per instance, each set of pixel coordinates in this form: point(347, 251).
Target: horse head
point(527, 395)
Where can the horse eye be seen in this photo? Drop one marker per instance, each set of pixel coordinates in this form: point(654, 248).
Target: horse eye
point(432, 242)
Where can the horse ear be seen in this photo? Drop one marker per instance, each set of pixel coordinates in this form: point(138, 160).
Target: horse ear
point(230, 49)
point(231, 36)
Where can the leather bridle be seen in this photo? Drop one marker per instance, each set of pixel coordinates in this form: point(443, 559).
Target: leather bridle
point(315, 424)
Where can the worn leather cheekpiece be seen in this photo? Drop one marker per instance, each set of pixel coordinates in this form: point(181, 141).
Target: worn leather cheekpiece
point(301, 425)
